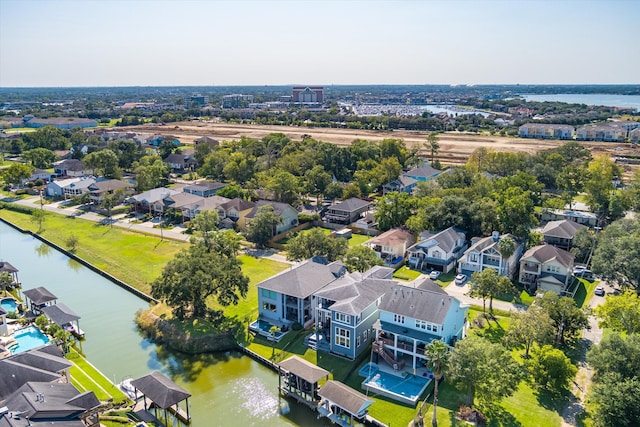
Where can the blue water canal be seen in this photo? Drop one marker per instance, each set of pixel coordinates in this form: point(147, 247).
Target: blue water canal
point(228, 389)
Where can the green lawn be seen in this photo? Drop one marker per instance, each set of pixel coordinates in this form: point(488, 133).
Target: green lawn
point(585, 291)
point(85, 377)
point(406, 274)
point(138, 260)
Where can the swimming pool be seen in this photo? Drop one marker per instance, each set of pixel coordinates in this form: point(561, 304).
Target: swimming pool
point(8, 304)
point(405, 388)
point(27, 339)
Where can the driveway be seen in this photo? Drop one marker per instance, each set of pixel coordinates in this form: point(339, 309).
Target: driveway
point(462, 293)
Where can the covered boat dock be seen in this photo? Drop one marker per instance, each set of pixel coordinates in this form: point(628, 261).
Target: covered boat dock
point(38, 298)
point(64, 317)
point(342, 404)
point(299, 379)
point(160, 392)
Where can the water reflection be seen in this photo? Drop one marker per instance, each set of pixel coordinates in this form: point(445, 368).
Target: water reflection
point(43, 250)
point(74, 265)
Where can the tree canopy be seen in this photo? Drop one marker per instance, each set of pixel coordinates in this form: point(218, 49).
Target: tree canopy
point(308, 244)
point(617, 252)
point(620, 313)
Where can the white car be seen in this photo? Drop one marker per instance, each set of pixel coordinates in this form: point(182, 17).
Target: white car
point(599, 291)
point(434, 275)
point(460, 279)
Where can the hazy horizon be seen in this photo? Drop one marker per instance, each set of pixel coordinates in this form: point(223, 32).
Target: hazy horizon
point(148, 43)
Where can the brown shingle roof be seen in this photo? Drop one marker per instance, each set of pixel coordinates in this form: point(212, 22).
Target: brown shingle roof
point(303, 369)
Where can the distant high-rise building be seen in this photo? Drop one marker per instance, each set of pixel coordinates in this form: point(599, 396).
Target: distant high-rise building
point(198, 99)
point(236, 101)
point(308, 94)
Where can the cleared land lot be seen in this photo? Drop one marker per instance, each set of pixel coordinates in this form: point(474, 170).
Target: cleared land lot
point(455, 148)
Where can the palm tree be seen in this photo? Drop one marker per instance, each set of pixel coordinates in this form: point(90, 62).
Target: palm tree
point(433, 144)
point(438, 354)
point(506, 247)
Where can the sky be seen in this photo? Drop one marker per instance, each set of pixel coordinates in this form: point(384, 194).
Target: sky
point(219, 42)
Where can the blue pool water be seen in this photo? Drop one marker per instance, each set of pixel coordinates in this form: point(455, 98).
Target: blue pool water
point(409, 387)
point(8, 304)
point(28, 338)
point(265, 327)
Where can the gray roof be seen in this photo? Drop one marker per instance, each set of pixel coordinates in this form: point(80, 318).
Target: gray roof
point(300, 281)
point(108, 185)
point(71, 165)
point(204, 185)
point(351, 205)
point(154, 195)
point(562, 229)
point(41, 364)
point(5, 267)
point(545, 253)
point(417, 303)
point(60, 314)
point(425, 171)
point(179, 200)
point(446, 239)
point(429, 285)
point(345, 397)
point(61, 403)
point(353, 293)
point(39, 295)
point(160, 389)
point(488, 241)
point(303, 369)
point(379, 272)
point(238, 204)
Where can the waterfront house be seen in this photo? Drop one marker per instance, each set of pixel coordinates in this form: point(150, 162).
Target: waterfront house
point(438, 251)
point(561, 233)
point(70, 187)
point(341, 404)
point(410, 318)
point(345, 311)
point(102, 188)
point(484, 253)
point(546, 131)
point(288, 297)
point(70, 168)
point(288, 214)
point(5, 267)
point(546, 268)
point(164, 394)
point(204, 188)
point(347, 211)
point(391, 245)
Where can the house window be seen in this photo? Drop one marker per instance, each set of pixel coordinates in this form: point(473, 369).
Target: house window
point(473, 257)
point(436, 254)
point(398, 318)
point(343, 318)
point(343, 338)
point(365, 335)
point(421, 324)
point(553, 269)
point(269, 294)
point(358, 341)
point(267, 306)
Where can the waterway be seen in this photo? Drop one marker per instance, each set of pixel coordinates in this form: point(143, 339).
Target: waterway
point(607, 100)
point(228, 389)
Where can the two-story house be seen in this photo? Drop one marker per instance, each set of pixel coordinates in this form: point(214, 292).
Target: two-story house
point(438, 251)
point(391, 245)
point(546, 268)
point(345, 312)
point(484, 253)
point(235, 209)
point(71, 168)
point(561, 233)
point(100, 189)
point(347, 211)
point(410, 318)
point(288, 214)
point(69, 187)
point(181, 162)
point(150, 201)
point(204, 188)
point(288, 297)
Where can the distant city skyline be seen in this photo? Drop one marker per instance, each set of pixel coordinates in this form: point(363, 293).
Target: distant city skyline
point(227, 43)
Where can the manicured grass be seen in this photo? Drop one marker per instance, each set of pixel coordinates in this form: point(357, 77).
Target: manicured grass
point(85, 377)
point(357, 240)
point(406, 274)
point(138, 260)
point(584, 292)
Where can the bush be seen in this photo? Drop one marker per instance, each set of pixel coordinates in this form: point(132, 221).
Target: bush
point(16, 208)
point(303, 218)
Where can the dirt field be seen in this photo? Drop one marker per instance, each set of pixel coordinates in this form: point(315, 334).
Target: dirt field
point(455, 148)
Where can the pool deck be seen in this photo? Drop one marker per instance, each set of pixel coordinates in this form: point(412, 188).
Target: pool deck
point(421, 373)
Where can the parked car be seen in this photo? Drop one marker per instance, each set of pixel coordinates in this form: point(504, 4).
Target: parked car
point(584, 274)
point(434, 275)
point(578, 269)
point(599, 291)
point(460, 279)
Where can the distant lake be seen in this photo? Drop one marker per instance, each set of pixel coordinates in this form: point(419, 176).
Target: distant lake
point(627, 101)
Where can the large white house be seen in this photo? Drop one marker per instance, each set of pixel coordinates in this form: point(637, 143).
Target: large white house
point(546, 268)
point(438, 251)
